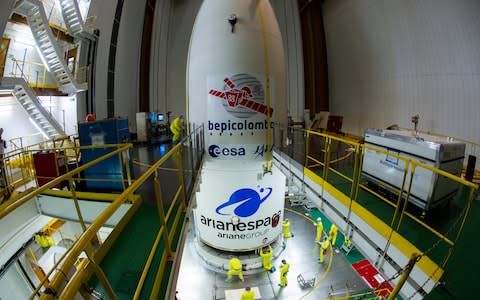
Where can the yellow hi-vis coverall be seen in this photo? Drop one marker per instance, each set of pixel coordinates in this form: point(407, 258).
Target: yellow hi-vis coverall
point(286, 229)
point(267, 258)
point(248, 295)
point(319, 225)
point(176, 129)
point(44, 241)
point(283, 274)
point(235, 268)
point(323, 249)
point(333, 234)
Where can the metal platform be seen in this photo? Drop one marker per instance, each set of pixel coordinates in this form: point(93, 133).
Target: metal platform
point(199, 280)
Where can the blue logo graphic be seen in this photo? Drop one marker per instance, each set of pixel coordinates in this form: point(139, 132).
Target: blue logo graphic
point(215, 151)
point(249, 200)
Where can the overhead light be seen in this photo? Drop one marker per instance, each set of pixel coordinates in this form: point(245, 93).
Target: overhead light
point(38, 128)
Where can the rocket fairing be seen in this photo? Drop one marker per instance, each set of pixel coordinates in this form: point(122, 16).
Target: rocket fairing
point(237, 90)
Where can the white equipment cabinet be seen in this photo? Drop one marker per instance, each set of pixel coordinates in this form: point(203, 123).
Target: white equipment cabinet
point(143, 128)
point(429, 189)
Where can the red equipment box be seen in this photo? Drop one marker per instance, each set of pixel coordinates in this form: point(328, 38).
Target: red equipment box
point(48, 166)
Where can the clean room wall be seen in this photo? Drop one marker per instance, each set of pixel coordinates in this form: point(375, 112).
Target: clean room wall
point(11, 112)
point(180, 29)
point(288, 19)
point(63, 110)
point(158, 57)
point(389, 60)
point(105, 12)
point(127, 61)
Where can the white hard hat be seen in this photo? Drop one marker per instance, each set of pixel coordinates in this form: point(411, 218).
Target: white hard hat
point(319, 219)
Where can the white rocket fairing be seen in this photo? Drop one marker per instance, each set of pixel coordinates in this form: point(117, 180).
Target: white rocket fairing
point(237, 90)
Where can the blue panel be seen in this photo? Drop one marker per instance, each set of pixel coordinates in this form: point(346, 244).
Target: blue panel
point(111, 131)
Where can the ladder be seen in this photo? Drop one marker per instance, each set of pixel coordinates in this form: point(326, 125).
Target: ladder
point(47, 46)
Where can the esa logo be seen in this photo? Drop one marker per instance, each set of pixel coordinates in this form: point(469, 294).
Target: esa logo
point(246, 202)
point(216, 151)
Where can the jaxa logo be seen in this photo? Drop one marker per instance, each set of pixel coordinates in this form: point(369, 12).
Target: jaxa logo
point(246, 201)
point(216, 151)
point(262, 149)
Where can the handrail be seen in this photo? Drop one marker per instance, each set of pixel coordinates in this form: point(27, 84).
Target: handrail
point(91, 231)
point(400, 207)
point(25, 198)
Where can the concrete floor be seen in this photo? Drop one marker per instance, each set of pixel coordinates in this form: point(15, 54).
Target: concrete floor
point(197, 281)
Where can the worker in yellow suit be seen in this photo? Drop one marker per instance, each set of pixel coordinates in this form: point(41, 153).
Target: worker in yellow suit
point(286, 229)
point(234, 268)
point(44, 240)
point(333, 234)
point(248, 294)
point(267, 258)
point(283, 273)
point(176, 128)
point(319, 226)
point(323, 249)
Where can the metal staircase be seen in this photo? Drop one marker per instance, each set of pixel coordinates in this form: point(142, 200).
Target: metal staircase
point(73, 20)
point(53, 58)
point(29, 101)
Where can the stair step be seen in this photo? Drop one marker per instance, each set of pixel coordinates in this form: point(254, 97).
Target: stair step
point(65, 81)
point(43, 38)
point(45, 46)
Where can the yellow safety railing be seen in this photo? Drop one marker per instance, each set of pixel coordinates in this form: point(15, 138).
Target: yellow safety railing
point(91, 22)
point(37, 75)
point(34, 73)
point(471, 148)
point(12, 204)
point(178, 203)
point(81, 74)
point(68, 263)
point(335, 162)
point(18, 161)
point(54, 14)
point(370, 295)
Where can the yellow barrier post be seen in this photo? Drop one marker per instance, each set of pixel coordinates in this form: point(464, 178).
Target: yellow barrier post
point(412, 173)
point(127, 166)
point(355, 177)
point(307, 148)
point(161, 214)
point(404, 277)
point(360, 154)
point(400, 194)
point(473, 193)
point(103, 279)
point(181, 179)
point(120, 160)
point(77, 205)
point(326, 158)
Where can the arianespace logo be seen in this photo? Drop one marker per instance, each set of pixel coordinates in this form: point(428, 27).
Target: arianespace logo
point(242, 96)
point(225, 151)
point(243, 203)
point(246, 201)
